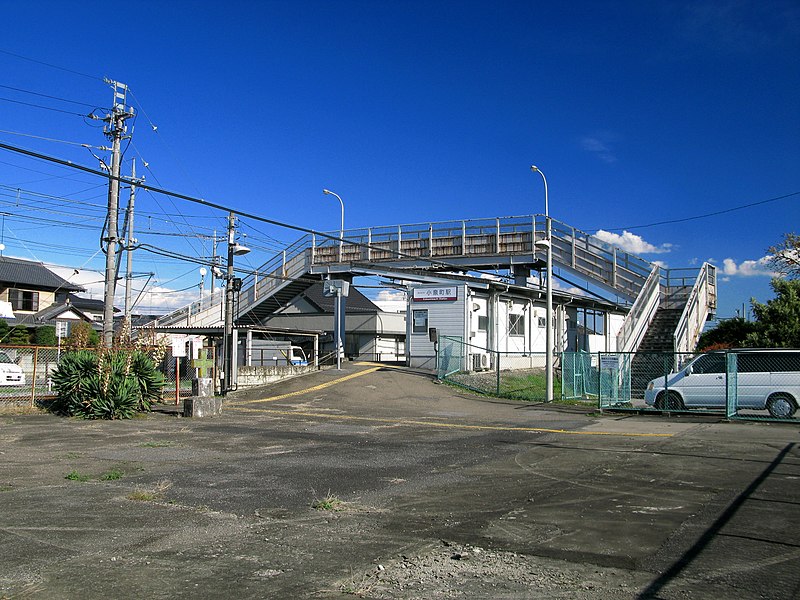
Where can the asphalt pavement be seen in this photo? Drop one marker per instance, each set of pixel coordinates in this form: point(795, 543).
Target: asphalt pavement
point(315, 485)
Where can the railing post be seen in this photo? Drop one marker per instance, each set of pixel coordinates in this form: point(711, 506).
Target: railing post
point(533, 233)
point(497, 368)
point(573, 248)
point(430, 239)
point(283, 264)
point(369, 244)
point(33, 375)
point(497, 237)
point(463, 238)
point(399, 240)
point(313, 247)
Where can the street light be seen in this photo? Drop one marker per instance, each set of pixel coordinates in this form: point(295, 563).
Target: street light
point(341, 230)
point(548, 241)
point(234, 249)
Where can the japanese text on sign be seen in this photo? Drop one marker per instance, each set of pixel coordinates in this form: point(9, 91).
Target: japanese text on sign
point(437, 294)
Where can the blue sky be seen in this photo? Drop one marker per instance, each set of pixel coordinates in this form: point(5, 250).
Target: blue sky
point(637, 112)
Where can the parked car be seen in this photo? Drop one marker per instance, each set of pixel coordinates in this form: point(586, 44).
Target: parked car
point(10, 372)
point(765, 379)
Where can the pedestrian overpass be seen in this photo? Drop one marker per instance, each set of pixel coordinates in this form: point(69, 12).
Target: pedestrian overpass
point(514, 243)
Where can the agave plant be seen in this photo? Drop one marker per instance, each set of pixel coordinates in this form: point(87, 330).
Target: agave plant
point(109, 384)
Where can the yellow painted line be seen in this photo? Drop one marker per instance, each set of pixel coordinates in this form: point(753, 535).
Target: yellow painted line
point(321, 386)
point(442, 424)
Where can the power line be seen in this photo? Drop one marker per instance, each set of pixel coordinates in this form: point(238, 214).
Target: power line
point(47, 139)
point(8, 87)
point(33, 60)
point(706, 215)
point(67, 112)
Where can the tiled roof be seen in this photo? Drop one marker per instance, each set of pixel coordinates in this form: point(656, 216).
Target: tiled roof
point(90, 304)
point(55, 310)
point(15, 272)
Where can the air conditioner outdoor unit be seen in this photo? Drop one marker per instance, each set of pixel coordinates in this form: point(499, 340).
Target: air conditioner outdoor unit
point(480, 362)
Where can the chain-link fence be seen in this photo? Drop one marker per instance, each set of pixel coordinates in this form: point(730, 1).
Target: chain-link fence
point(741, 384)
point(180, 371)
point(25, 374)
point(519, 375)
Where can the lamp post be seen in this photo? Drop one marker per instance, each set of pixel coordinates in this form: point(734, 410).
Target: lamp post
point(548, 240)
point(341, 229)
point(234, 249)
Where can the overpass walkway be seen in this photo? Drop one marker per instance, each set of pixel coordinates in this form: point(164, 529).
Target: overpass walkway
point(437, 247)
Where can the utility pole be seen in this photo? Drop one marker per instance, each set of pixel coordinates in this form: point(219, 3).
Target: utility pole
point(114, 130)
point(231, 286)
point(228, 341)
point(129, 242)
point(213, 262)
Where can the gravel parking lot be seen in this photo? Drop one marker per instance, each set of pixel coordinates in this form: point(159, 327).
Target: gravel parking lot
point(378, 482)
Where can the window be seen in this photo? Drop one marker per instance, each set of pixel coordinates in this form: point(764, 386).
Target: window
point(419, 323)
point(709, 363)
point(542, 322)
point(516, 324)
point(483, 323)
point(23, 300)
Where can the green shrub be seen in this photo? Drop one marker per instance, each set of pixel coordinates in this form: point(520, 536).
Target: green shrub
point(107, 384)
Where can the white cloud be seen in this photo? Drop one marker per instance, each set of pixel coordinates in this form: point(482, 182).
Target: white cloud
point(599, 147)
point(156, 298)
point(630, 242)
point(391, 301)
point(748, 268)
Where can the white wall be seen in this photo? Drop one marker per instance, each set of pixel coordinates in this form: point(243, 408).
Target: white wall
point(447, 316)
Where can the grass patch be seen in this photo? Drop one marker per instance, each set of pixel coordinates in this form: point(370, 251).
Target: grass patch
point(112, 475)
point(76, 476)
point(150, 494)
point(158, 444)
point(329, 502)
point(527, 387)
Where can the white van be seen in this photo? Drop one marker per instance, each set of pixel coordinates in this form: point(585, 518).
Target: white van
point(765, 379)
point(10, 372)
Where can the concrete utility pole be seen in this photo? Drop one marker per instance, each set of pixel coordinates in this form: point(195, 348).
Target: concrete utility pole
point(231, 286)
point(114, 130)
point(129, 241)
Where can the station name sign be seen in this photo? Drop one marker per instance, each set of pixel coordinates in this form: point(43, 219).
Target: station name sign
point(435, 294)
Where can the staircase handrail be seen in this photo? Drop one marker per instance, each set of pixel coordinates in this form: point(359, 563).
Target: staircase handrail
point(641, 313)
point(695, 312)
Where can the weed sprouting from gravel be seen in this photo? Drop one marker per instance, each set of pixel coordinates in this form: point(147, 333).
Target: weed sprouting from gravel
point(76, 476)
point(150, 494)
point(112, 475)
point(329, 502)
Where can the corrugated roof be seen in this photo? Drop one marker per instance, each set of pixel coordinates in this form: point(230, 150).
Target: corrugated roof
point(16, 272)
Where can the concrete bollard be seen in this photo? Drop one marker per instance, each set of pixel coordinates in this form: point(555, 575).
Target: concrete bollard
point(202, 406)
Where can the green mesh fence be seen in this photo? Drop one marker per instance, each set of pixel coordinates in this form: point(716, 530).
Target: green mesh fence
point(759, 385)
point(517, 375)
